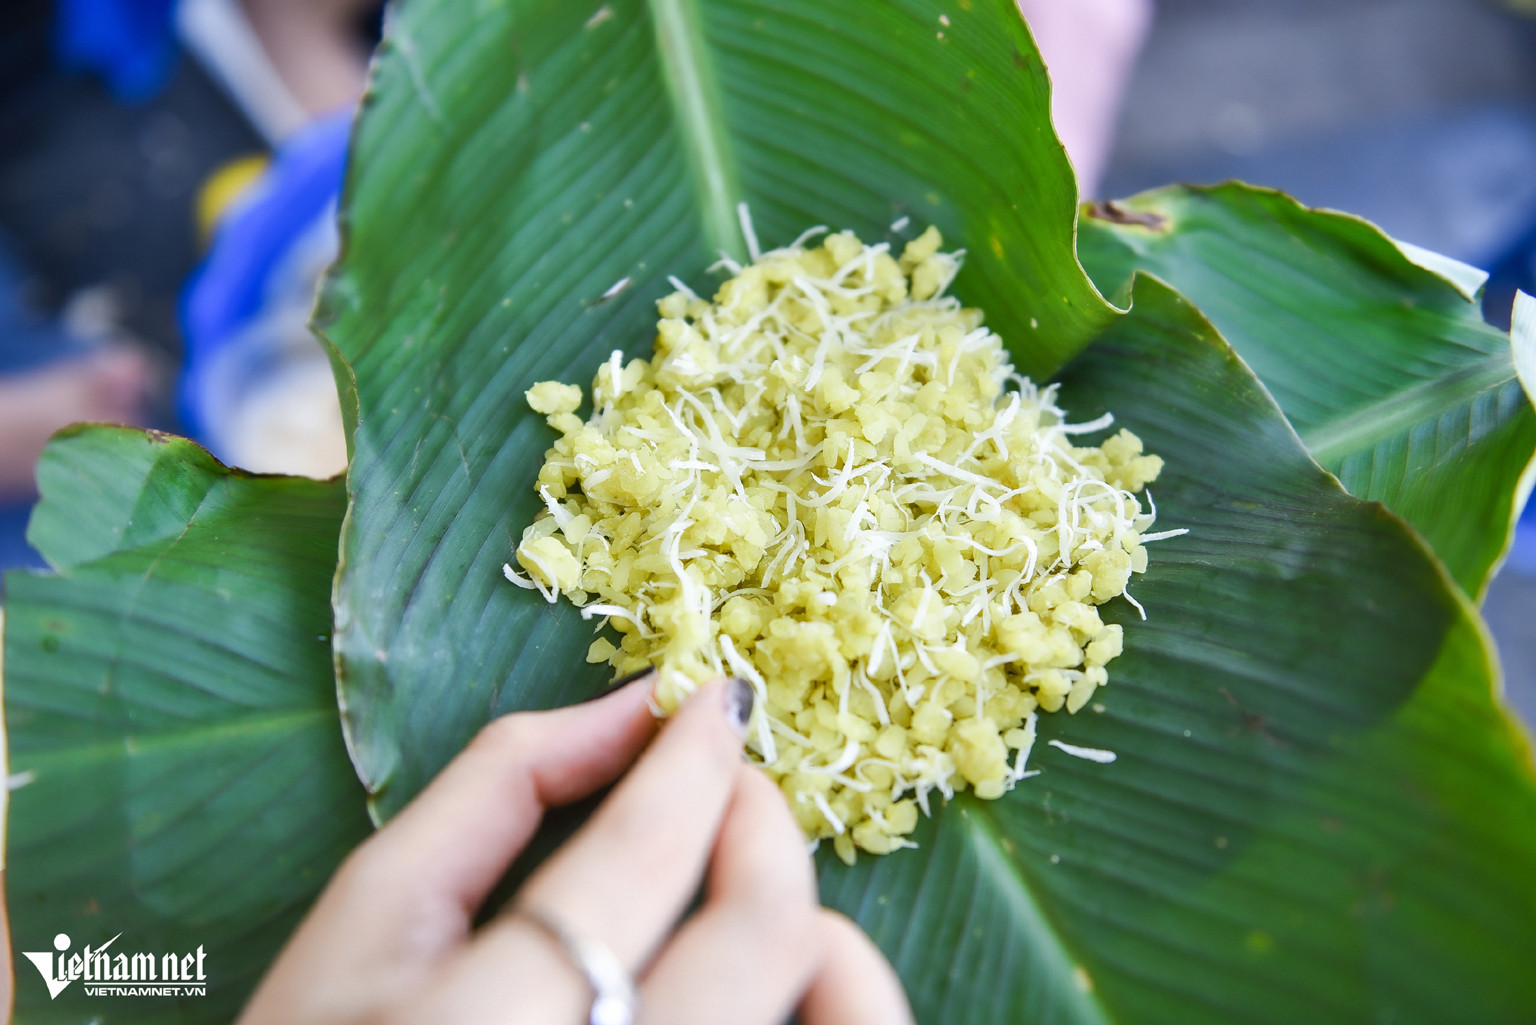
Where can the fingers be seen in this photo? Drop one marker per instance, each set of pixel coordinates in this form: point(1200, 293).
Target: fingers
point(621, 881)
point(414, 886)
point(408, 893)
point(757, 947)
point(751, 950)
point(107, 386)
point(855, 984)
point(631, 870)
point(761, 943)
point(119, 378)
point(458, 836)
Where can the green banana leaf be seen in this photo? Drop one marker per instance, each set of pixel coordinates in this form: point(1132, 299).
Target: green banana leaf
point(1317, 791)
point(1386, 368)
point(525, 178)
point(178, 771)
point(1319, 810)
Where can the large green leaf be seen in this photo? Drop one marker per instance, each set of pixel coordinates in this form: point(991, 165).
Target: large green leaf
point(516, 159)
point(172, 718)
point(1386, 368)
point(1316, 794)
point(1309, 692)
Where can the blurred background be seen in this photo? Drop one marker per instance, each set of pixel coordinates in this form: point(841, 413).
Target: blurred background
point(1419, 115)
point(169, 168)
point(168, 173)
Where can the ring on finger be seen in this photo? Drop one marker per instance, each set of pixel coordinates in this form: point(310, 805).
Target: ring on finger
point(614, 996)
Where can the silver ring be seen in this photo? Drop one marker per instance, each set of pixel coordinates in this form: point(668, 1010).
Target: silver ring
point(614, 997)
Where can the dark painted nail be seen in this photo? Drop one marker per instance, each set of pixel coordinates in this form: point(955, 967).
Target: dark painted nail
point(738, 704)
point(632, 677)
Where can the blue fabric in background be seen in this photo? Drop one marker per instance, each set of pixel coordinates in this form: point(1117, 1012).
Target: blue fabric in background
point(230, 288)
point(1515, 269)
point(129, 44)
point(1522, 556)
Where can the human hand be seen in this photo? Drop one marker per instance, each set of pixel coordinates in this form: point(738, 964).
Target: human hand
point(107, 386)
point(390, 939)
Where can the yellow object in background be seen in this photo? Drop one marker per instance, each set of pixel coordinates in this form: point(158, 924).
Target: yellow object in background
point(224, 188)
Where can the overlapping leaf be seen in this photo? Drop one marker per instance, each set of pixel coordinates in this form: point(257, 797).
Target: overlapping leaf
point(1386, 369)
point(172, 719)
point(1315, 791)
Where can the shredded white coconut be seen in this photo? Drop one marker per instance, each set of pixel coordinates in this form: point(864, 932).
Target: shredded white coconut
point(829, 482)
point(1092, 754)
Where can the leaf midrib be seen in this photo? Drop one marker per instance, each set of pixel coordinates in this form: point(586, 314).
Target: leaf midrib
point(1401, 411)
point(692, 86)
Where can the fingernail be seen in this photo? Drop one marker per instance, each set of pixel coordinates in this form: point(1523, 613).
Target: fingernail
point(632, 677)
point(738, 704)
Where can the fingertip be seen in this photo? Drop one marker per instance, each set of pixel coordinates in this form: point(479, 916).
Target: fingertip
point(725, 700)
point(627, 695)
point(629, 680)
point(739, 699)
point(761, 847)
point(612, 729)
point(766, 809)
point(619, 718)
point(516, 766)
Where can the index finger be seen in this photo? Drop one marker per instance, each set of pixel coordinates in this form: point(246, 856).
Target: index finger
point(460, 834)
point(631, 870)
point(408, 893)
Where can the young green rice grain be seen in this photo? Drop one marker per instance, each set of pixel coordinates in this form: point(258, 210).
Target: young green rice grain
point(829, 481)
